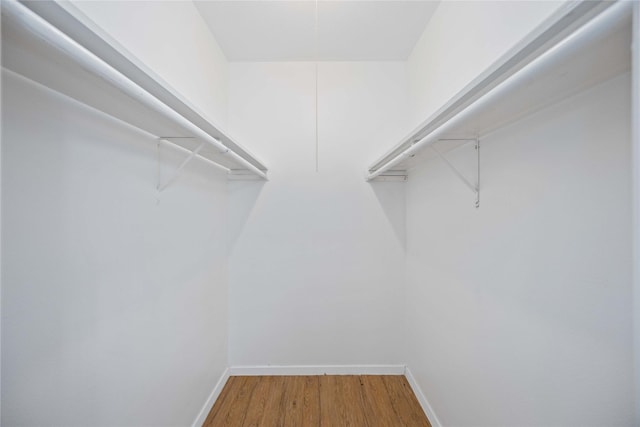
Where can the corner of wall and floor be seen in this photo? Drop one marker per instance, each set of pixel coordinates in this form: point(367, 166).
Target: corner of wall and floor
point(211, 400)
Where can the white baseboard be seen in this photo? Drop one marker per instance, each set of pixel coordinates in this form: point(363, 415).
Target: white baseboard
point(202, 416)
point(426, 407)
point(318, 370)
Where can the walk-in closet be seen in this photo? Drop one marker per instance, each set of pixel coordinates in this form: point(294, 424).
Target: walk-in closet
point(320, 213)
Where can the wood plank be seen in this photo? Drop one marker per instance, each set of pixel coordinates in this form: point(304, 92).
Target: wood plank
point(404, 401)
point(311, 402)
point(290, 406)
point(271, 414)
point(351, 391)
point(292, 403)
point(264, 407)
point(225, 400)
point(341, 401)
point(236, 414)
point(329, 406)
point(378, 407)
point(257, 403)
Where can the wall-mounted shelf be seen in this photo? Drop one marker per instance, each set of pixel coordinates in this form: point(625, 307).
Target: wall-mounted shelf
point(53, 44)
point(582, 44)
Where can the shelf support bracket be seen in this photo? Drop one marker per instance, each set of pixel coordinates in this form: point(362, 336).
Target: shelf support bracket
point(178, 171)
point(391, 176)
point(473, 187)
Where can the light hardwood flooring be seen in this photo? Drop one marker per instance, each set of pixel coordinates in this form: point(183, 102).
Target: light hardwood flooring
point(326, 400)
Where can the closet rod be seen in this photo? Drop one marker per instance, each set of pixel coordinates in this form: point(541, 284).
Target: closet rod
point(55, 38)
point(575, 41)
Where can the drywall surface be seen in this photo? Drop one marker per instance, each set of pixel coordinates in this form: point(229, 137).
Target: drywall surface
point(172, 39)
point(462, 39)
point(0, 257)
point(114, 301)
point(316, 257)
point(520, 313)
point(635, 123)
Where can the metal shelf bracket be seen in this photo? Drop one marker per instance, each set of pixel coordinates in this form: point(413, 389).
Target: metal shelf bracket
point(161, 187)
point(473, 187)
point(391, 176)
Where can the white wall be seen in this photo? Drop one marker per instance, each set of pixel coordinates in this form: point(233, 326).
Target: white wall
point(114, 303)
point(0, 256)
point(316, 271)
point(172, 39)
point(462, 39)
point(519, 313)
point(635, 114)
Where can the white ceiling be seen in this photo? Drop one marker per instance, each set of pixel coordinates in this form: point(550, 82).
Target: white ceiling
point(363, 30)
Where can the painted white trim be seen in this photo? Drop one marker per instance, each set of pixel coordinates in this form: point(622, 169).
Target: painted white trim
point(426, 406)
point(202, 416)
point(318, 370)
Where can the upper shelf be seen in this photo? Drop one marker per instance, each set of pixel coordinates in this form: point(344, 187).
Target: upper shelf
point(55, 45)
point(584, 43)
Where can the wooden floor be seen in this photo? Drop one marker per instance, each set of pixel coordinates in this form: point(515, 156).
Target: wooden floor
point(327, 400)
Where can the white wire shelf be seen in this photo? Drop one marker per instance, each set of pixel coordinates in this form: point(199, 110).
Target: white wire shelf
point(54, 45)
point(583, 44)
